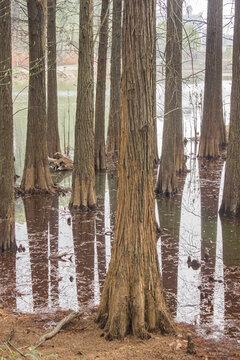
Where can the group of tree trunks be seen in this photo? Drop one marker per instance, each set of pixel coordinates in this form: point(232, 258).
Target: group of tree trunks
point(132, 300)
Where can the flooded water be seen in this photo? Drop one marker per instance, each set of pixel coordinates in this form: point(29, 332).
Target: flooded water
point(61, 263)
point(203, 292)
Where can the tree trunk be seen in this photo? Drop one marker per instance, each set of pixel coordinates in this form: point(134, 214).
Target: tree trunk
point(115, 86)
point(172, 159)
point(132, 299)
point(213, 133)
point(83, 182)
point(100, 156)
point(231, 194)
point(36, 174)
point(154, 88)
point(7, 224)
point(53, 141)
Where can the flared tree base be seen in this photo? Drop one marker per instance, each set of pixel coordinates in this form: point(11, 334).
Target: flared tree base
point(100, 159)
point(210, 148)
point(37, 180)
point(166, 184)
point(131, 308)
point(7, 235)
point(83, 196)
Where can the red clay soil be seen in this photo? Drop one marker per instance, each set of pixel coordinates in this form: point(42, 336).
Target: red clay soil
point(83, 340)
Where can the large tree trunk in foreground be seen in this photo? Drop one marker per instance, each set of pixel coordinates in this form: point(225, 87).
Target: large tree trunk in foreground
point(172, 158)
point(213, 133)
point(132, 299)
point(7, 225)
point(83, 179)
point(231, 194)
point(36, 174)
point(100, 156)
point(154, 89)
point(53, 141)
point(115, 86)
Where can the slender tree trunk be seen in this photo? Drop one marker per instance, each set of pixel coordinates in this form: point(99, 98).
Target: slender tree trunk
point(115, 86)
point(172, 159)
point(100, 156)
point(83, 178)
point(7, 224)
point(132, 299)
point(154, 88)
point(36, 174)
point(213, 133)
point(231, 194)
point(53, 141)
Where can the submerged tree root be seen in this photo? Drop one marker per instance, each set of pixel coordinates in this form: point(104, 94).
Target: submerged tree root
point(55, 190)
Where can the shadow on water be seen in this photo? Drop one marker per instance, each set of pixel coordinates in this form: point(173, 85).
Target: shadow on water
point(62, 261)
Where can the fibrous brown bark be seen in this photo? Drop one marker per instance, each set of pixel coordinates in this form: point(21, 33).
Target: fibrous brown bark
point(115, 85)
point(154, 88)
point(100, 156)
point(83, 178)
point(231, 194)
point(213, 133)
point(36, 174)
point(53, 141)
point(172, 158)
point(7, 224)
point(132, 299)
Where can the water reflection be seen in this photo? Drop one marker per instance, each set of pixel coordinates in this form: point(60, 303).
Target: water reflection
point(83, 228)
point(210, 176)
point(107, 224)
point(219, 297)
point(37, 212)
point(66, 265)
point(169, 216)
point(189, 256)
point(61, 261)
point(24, 301)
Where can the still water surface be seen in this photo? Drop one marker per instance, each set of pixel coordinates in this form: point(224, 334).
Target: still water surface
point(199, 255)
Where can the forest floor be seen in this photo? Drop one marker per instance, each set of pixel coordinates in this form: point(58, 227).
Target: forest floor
point(82, 339)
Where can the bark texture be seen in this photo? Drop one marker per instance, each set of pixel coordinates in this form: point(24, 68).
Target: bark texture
point(36, 174)
point(53, 141)
point(83, 178)
point(132, 299)
point(231, 193)
point(154, 88)
point(7, 224)
point(115, 85)
point(100, 156)
point(213, 132)
point(172, 158)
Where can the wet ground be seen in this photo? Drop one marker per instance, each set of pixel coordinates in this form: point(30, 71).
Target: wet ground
point(61, 262)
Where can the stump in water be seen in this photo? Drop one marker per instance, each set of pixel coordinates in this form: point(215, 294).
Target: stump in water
point(60, 162)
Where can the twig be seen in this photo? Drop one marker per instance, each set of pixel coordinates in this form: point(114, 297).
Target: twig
point(58, 256)
point(59, 326)
point(14, 347)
